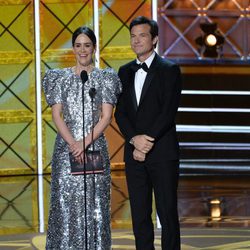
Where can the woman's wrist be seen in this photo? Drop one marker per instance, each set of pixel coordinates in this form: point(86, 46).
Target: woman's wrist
point(87, 142)
point(72, 143)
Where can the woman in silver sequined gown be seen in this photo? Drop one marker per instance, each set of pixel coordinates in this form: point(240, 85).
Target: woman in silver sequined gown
point(63, 92)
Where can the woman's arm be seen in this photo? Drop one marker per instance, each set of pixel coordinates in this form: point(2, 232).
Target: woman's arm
point(105, 120)
point(76, 147)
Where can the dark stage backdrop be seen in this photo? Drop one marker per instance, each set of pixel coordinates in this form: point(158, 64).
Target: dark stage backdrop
point(214, 120)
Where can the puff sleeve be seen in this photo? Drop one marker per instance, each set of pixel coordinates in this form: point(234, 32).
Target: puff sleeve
point(52, 87)
point(111, 86)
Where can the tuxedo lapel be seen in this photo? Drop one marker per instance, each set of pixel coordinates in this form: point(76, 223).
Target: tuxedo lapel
point(149, 77)
point(132, 87)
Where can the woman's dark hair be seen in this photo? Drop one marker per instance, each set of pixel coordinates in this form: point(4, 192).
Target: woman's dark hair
point(86, 31)
point(144, 20)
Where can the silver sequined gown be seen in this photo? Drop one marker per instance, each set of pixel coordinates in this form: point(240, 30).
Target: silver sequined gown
point(66, 226)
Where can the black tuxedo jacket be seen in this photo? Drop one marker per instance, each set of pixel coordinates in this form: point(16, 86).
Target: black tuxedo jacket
point(155, 114)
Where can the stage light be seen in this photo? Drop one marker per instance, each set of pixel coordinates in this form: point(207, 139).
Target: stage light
point(215, 210)
point(211, 41)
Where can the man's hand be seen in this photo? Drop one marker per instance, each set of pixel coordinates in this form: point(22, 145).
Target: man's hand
point(138, 155)
point(143, 143)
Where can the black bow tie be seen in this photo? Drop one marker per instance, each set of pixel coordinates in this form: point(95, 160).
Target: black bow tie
point(136, 67)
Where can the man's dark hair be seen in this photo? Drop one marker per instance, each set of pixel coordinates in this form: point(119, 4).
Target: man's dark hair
point(144, 20)
point(86, 31)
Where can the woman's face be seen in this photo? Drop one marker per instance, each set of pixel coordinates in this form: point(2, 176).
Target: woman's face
point(83, 50)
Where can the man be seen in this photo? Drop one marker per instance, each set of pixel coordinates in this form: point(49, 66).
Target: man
point(145, 115)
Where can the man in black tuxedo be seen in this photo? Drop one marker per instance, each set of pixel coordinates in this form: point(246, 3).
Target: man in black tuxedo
point(145, 115)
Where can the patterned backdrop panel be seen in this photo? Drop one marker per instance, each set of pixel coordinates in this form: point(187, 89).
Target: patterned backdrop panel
point(18, 205)
point(17, 88)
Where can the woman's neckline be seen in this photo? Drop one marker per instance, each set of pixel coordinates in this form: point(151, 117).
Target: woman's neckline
point(73, 70)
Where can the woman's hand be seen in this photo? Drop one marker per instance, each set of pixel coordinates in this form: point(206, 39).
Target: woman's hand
point(76, 148)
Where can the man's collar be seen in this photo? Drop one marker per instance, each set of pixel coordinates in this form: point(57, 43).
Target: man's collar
point(148, 61)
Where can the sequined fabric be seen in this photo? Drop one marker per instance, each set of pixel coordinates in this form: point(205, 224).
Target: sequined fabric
point(66, 226)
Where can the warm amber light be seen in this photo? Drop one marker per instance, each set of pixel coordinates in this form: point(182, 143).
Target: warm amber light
point(211, 40)
point(215, 209)
point(215, 201)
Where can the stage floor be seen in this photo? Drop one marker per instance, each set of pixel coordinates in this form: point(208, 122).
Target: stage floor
point(214, 212)
point(191, 239)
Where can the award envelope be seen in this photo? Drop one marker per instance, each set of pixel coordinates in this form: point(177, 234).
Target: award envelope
point(93, 164)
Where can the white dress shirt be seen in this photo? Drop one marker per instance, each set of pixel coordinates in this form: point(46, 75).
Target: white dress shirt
point(140, 77)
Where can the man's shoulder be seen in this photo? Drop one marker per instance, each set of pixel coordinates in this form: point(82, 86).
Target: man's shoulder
point(127, 65)
point(168, 66)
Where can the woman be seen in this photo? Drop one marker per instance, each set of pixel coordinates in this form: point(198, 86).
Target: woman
point(63, 90)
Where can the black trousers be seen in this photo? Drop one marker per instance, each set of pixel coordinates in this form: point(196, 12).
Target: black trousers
point(162, 178)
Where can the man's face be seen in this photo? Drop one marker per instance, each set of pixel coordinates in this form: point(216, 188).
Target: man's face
point(141, 40)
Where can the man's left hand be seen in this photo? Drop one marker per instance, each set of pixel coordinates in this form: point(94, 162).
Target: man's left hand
point(138, 155)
